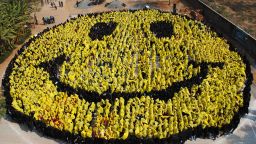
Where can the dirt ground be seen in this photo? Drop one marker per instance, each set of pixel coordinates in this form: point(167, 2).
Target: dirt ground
point(241, 12)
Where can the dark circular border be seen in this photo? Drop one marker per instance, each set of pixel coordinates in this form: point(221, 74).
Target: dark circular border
point(192, 133)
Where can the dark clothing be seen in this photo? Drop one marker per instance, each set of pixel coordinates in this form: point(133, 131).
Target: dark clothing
point(77, 3)
point(174, 9)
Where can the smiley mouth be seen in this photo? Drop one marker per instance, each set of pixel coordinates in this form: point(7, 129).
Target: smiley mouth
point(52, 67)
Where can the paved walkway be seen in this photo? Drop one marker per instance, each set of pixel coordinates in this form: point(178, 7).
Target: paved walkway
point(13, 133)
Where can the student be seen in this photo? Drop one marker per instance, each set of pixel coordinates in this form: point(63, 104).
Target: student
point(174, 10)
point(77, 3)
point(43, 20)
point(53, 19)
point(35, 19)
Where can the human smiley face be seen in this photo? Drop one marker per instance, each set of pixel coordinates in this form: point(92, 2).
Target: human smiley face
point(118, 75)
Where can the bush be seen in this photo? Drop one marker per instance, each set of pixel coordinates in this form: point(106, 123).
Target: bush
point(21, 39)
point(4, 55)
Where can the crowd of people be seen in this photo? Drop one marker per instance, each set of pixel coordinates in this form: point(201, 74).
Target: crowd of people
point(48, 20)
point(129, 58)
point(53, 5)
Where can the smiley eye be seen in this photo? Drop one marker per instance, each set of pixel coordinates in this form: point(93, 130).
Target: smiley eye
point(162, 28)
point(101, 29)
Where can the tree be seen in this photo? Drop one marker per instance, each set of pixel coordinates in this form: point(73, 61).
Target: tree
point(15, 14)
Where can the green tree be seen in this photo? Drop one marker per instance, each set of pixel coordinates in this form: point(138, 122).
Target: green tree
point(15, 15)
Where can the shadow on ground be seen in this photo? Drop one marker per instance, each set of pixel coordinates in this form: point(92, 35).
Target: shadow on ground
point(12, 132)
point(246, 134)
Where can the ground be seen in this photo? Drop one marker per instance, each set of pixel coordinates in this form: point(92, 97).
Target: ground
point(241, 12)
point(11, 132)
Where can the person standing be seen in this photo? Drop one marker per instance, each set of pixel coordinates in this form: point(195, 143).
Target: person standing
point(174, 10)
point(35, 19)
point(77, 3)
point(54, 5)
point(43, 20)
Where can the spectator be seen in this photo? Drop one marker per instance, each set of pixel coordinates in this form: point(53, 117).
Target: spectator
point(77, 3)
point(52, 19)
point(174, 10)
point(43, 20)
point(35, 19)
